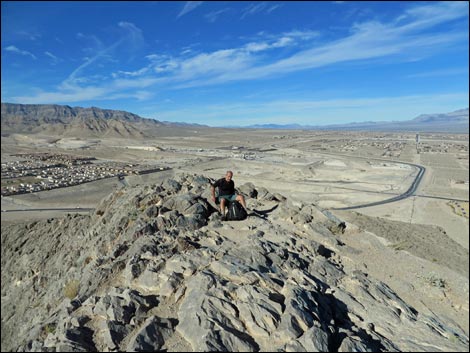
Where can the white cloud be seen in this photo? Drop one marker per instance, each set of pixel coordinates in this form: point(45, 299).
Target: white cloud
point(186, 51)
point(188, 7)
point(131, 73)
point(257, 46)
point(402, 38)
point(13, 49)
point(214, 15)
point(282, 42)
point(253, 9)
point(274, 7)
point(54, 58)
point(442, 72)
point(303, 35)
point(259, 7)
point(153, 57)
point(273, 42)
point(133, 36)
point(129, 26)
point(78, 95)
point(29, 35)
point(158, 64)
point(92, 42)
point(368, 40)
point(139, 95)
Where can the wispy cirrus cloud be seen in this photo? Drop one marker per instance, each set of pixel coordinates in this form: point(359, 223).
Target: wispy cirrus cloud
point(442, 72)
point(30, 35)
point(183, 68)
point(273, 7)
point(133, 36)
point(214, 15)
point(398, 39)
point(136, 73)
point(54, 58)
point(13, 49)
point(368, 40)
point(188, 7)
point(259, 7)
point(74, 95)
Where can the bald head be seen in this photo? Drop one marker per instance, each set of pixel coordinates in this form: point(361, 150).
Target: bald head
point(228, 175)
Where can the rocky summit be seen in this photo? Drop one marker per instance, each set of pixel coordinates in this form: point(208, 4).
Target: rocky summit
point(154, 268)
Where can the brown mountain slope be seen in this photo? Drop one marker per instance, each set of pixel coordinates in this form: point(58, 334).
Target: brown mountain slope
point(74, 122)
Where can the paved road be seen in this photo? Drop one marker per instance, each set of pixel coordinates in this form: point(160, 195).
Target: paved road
point(75, 209)
point(411, 190)
point(442, 198)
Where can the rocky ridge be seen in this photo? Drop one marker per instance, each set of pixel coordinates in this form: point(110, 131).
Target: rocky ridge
point(153, 268)
point(69, 121)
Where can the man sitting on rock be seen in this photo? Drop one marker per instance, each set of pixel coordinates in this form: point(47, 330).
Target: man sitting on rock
point(226, 192)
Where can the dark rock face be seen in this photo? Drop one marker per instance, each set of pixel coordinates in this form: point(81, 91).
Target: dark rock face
point(164, 273)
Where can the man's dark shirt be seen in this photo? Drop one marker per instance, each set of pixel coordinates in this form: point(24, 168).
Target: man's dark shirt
point(225, 187)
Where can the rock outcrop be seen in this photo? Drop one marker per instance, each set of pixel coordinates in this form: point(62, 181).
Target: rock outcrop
point(153, 268)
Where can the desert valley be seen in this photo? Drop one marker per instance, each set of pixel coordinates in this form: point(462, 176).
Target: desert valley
point(357, 240)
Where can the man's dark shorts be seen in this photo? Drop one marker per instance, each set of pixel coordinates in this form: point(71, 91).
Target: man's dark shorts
point(229, 198)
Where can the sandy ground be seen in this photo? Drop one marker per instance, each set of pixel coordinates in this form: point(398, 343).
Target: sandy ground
point(418, 246)
point(399, 257)
point(419, 210)
point(83, 196)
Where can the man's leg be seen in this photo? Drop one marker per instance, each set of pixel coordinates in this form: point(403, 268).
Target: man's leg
point(241, 199)
point(222, 206)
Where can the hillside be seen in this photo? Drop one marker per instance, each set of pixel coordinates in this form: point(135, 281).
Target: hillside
point(74, 122)
point(153, 268)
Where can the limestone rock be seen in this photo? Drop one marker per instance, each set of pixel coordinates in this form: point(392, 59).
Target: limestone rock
point(154, 268)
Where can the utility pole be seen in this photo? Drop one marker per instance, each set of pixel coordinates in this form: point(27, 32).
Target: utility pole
point(417, 143)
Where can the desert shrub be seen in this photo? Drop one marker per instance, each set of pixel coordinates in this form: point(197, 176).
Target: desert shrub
point(435, 281)
point(71, 289)
point(49, 328)
point(402, 245)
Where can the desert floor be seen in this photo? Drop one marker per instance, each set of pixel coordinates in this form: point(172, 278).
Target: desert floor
point(410, 244)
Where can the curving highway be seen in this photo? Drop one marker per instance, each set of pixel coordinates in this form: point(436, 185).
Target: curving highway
point(411, 190)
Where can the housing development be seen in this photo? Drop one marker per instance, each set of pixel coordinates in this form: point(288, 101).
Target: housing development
point(35, 172)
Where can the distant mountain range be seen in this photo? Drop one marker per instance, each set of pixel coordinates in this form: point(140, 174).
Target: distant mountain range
point(456, 121)
point(66, 121)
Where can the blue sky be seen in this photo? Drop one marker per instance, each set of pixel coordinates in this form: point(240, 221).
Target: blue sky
point(240, 63)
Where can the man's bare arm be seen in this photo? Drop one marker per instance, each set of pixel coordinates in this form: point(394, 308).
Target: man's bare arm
point(213, 193)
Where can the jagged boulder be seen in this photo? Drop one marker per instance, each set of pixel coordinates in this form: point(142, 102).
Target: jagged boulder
point(154, 268)
point(248, 189)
